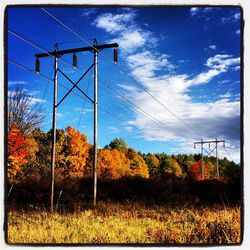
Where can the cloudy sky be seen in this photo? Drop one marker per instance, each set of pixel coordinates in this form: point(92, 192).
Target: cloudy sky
point(177, 80)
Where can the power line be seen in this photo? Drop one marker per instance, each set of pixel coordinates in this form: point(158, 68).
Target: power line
point(47, 85)
point(228, 154)
point(83, 105)
point(152, 118)
point(104, 110)
point(38, 47)
point(139, 129)
point(35, 45)
point(43, 76)
point(140, 85)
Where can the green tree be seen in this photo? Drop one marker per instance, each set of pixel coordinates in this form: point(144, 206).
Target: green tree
point(118, 144)
point(138, 166)
point(170, 166)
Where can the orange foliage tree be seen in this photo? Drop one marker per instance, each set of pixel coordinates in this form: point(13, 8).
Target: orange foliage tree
point(20, 149)
point(73, 154)
point(112, 164)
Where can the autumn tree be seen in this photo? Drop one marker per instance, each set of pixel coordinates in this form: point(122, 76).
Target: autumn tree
point(138, 167)
point(195, 170)
point(153, 164)
point(72, 153)
point(112, 164)
point(39, 168)
point(20, 150)
point(22, 111)
point(170, 166)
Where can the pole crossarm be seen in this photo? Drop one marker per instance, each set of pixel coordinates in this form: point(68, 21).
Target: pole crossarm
point(94, 48)
point(75, 85)
point(204, 142)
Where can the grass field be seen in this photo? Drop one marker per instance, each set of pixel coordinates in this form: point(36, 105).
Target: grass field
point(127, 223)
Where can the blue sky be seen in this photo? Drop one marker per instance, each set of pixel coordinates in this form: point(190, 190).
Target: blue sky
point(187, 58)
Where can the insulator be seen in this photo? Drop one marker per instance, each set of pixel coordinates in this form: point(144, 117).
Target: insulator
point(194, 146)
point(223, 144)
point(37, 66)
point(115, 55)
point(74, 60)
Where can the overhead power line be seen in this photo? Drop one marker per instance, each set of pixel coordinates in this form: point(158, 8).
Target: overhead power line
point(101, 108)
point(68, 64)
point(152, 118)
point(35, 45)
point(140, 85)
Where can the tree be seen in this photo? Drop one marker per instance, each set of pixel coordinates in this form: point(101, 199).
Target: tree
point(138, 167)
point(195, 170)
point(170, 166)
point(20, 149)
point(72, 153)
point(112, 164)
point(153, 164)
point(22, 111)
point(118, 144)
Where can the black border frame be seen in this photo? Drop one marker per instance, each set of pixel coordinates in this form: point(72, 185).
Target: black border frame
point(242, 25)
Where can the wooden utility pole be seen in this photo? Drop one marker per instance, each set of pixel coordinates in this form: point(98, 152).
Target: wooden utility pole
point(95, 130)
point(202, 167)
point(56, 54)
point(209, 153)
point(53, 150)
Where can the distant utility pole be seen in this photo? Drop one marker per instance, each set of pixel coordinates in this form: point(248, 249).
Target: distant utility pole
point(209, 153)
point(56, 54)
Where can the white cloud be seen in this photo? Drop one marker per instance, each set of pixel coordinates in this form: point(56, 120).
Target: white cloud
point(200, 10)
point(114, 23)
point(88, 12)
point(17, 82)
point(193, 11)
point(183, 61)
point(29, 94)
point(114, 130)
point(128, 35)
point(172, 91)
point(213, 47)
point(130, 40)
point(218, 64)
point(36, 100)
point(154, 71)
point(231, 19)
point(226, 95)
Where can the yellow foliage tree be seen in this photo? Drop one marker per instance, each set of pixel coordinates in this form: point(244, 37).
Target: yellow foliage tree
point(112, 164)
point(138, 167)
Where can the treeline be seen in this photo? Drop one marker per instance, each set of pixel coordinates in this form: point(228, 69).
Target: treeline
point(29, 157)
point(123, 173)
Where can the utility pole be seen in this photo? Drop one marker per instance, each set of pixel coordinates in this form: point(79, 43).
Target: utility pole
point(217, 162)
point(202, 168)
point(56, 54)
point(53, 151)
point(95, 130)
point(209, 153)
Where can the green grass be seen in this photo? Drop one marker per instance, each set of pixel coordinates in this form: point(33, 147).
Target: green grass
point(127, 223)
